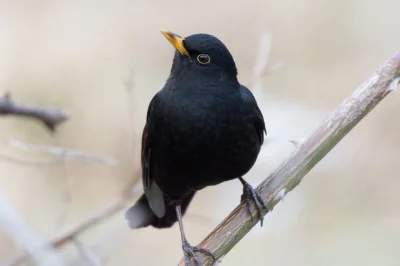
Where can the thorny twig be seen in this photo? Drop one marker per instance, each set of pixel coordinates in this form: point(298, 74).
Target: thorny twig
point(307, 154)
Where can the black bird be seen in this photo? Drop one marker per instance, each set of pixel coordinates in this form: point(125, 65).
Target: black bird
point(203, 128)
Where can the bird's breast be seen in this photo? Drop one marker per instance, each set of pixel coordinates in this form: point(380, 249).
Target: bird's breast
point(207, 119)
point(209, 139)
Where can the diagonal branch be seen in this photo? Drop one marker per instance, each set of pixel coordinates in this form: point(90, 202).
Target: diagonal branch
point(51, 117)
point(307, 154)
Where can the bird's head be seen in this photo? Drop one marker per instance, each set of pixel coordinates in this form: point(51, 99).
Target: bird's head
point(202, 54)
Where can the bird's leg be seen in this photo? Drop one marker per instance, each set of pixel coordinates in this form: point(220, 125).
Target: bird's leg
point(189, 251)
point(250, 195)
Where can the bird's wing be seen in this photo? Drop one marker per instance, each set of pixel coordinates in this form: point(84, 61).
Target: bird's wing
point(153, 192)
point(259, 122)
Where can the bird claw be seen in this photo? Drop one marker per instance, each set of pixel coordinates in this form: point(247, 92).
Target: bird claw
point(250, 195)
point(190, 253)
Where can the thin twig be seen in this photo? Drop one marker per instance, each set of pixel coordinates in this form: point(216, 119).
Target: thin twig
point(51, 117)
point(32, 163)
point(64, 154)
point(307, 154)
point(75, 231)
point(13, 224)
point(262, 59)
point(261, 64)
point(86, 254)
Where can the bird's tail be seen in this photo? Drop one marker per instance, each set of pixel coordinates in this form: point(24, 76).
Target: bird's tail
point(141, 215)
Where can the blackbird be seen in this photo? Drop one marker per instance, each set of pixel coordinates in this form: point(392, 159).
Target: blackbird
point(203, 128)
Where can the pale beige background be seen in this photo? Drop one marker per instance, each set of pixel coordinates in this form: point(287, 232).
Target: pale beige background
point(77, 54)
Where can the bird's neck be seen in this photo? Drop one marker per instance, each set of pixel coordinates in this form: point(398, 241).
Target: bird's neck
point(192, 79)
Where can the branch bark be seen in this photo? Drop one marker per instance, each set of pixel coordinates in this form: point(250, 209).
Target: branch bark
point(307, 154)
point(51, 117)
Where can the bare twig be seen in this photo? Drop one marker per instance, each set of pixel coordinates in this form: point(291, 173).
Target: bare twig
point(75, 231)
point(290, 173)
point(86, 254)
point(32, 163)
point(64, 154)
point(12, 223)
point(51, 117)
point(261, 64)
point(262, 60)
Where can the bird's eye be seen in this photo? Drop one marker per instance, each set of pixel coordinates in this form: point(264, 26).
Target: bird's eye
point(203, 59)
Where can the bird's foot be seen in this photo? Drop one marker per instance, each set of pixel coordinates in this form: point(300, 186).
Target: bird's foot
point(189, 253)
point(250, 195)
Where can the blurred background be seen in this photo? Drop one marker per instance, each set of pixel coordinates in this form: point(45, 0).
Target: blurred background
point(104, 60)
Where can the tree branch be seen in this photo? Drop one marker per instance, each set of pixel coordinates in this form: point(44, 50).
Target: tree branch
point(72, 233)
point(51, 117)
point(13, 224)
point(307, 154)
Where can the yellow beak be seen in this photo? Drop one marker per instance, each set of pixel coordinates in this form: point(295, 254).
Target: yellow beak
point(176, 41)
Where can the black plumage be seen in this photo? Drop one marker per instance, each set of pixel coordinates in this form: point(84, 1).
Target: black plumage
point(202, 128)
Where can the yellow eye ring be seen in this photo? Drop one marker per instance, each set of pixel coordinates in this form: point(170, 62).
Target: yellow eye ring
point(203, 59)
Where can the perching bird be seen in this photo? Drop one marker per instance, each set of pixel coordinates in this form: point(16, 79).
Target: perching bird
point(203, 128)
